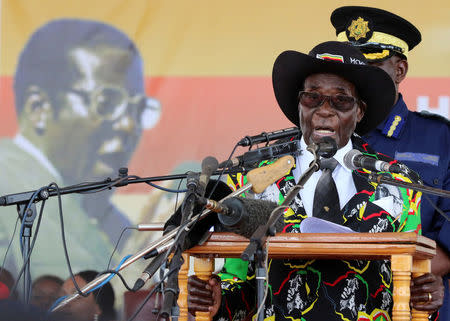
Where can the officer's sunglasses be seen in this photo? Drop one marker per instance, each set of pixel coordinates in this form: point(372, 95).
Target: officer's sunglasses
point(339, 102)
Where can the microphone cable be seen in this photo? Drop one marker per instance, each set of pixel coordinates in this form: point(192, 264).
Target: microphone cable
point(109, 186)
point(112, 272)
point(181, 228)
point(118, 242)
point(158, 284)
point(223, 170)
point(9, 244)
point(176, 237)
point(66, 255)
point(63, 237)
point(216, 184)
point(435, 207)
point(122, 179)
point(30, 202)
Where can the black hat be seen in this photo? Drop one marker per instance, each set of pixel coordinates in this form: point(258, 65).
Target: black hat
point(375, 87)
point(376, 32)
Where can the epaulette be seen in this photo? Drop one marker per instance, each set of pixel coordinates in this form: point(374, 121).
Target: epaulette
point(427, 114)
point(394, 125)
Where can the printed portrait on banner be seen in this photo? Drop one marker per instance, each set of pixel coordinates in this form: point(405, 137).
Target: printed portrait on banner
point(81, 109)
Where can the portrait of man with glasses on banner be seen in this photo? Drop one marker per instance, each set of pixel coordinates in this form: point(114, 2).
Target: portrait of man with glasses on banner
point(81, 110)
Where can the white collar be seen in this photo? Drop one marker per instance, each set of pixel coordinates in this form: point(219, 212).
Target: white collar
point(29, 148)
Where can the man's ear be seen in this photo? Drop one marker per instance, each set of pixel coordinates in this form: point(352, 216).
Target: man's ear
point(401, 69)
point(37, 110)
point(362, 106)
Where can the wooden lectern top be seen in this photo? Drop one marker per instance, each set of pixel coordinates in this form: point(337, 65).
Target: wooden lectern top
point(324, 245)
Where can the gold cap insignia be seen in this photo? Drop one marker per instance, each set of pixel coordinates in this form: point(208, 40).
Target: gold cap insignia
point(358, 28)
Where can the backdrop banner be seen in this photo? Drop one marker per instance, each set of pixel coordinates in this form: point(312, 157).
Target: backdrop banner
point(90, 86)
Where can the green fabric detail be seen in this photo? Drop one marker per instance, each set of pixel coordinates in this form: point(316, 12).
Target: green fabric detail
point(392, 222)
point(371, 155)
point(408, 222)
point(367, 286)
point(234, 267)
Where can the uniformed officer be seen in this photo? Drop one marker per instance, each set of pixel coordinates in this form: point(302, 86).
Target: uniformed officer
point(420, 140)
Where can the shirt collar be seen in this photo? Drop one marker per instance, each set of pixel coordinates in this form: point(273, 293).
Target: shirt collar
point(395, 121)
point(29, 148)
point(339, 156)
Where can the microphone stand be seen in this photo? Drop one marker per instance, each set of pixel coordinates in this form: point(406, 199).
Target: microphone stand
point(122, 180)
point(256, 251)
point(256, 183)
point(172, 290)
point(27, 217)
point(383, 179)
point(26, 206)
point(163, 241)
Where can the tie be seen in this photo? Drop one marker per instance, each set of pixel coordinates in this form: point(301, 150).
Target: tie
point(326, 198)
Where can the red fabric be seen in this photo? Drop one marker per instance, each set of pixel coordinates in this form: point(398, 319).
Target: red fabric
point(4, 291)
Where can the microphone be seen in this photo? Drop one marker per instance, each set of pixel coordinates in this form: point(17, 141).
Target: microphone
point(153, 266)
point(354, 159)
point(253, 157)
point(242, 215)
point(326, 148)
point(197, 181)
point(209, 165)
point(192, 180)
point(148, 272)
point(266, 137)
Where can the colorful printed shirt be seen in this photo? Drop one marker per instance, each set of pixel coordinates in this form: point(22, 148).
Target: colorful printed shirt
point(325, 289)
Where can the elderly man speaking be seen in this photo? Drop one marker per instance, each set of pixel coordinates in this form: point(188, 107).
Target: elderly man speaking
point(331, 92)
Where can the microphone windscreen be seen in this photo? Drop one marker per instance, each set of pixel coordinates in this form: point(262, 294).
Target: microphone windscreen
point(209, 165)
point(256, 213)
point(349, 159)
point(327, 147)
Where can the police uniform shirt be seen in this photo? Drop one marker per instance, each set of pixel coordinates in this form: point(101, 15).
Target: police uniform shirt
point(421, 141)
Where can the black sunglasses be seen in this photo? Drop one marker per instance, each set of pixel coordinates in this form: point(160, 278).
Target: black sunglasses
point(339, 102)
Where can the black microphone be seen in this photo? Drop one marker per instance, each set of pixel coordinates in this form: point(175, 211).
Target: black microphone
point(326, 147)
point(267, 137)
point(209, 165)
point(148, 272)
point(197, 181)
point(354, 159)
point(192, 180)
point(253, 157)
point(243, 215)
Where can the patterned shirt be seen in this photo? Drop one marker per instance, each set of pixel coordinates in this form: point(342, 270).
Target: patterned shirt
point(325, 289)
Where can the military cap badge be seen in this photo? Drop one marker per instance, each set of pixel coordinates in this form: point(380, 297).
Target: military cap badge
point(359, 30)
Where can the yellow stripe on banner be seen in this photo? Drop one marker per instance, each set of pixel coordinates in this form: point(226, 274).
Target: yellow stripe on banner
point(220, 38)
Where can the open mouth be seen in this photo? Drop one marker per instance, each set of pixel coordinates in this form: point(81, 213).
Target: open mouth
point(324, 131)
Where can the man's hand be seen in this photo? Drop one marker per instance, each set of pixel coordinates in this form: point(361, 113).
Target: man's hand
point(204, 296)
point(427, 292)
point(440, 264)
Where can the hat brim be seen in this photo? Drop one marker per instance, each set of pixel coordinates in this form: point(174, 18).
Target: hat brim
point(374, 86)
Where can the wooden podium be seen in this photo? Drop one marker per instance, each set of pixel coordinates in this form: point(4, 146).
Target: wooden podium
point(409, 253)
